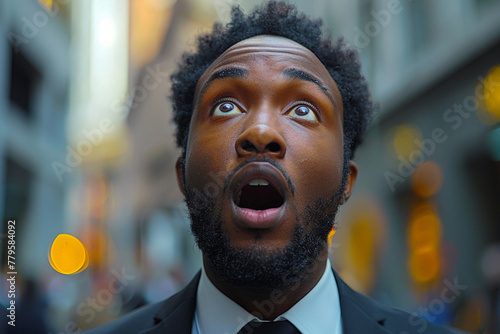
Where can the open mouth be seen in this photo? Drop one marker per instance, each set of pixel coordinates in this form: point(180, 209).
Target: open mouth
point(259, 194)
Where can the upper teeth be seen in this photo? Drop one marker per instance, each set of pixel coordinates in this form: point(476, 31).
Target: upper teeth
point(258, 182)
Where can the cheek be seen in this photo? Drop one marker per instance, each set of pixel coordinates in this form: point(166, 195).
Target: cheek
point(207, 155)
point(318, 168)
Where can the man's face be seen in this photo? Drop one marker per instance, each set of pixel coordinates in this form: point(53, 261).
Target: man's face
point(264, 158)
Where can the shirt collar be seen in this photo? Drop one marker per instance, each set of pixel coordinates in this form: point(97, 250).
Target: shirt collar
point(317, 312)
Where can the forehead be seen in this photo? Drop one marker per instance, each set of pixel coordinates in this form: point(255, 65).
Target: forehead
point(279, 52)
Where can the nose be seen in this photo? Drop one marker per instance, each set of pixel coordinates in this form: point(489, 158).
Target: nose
point(261, 139)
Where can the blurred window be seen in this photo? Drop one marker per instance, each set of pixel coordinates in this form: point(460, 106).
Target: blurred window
point(24, 78)
point(485, 4)
point(17, 183)
point(420, 25)
point(367, 53)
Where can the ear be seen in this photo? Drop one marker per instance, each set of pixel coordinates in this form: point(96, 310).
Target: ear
point(351, 180)
point(180, 178)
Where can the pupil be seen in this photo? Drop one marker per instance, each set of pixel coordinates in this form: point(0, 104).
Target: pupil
point(302, 111)
point(226, 107)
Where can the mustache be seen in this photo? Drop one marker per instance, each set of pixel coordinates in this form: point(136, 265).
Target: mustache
point(288, 179)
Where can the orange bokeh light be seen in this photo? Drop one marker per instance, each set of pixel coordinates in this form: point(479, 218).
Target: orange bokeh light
point(425, 265)
point(427, 179)
point(424, 232)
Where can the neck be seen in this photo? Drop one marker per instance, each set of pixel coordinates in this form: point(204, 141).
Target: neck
point(270, 302)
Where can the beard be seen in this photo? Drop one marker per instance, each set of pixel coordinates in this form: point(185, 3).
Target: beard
point(258, 268)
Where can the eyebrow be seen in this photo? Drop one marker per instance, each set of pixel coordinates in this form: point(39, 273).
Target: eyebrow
point(229, 72)
point(295, 73)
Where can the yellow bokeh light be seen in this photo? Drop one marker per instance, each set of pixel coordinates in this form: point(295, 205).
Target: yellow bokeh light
point(68, 255)
point(427, 179)
point(330, 237)
point(47, 4)
point(404, 140)
point(492, 92)
point(424, 235)
point(362, 243)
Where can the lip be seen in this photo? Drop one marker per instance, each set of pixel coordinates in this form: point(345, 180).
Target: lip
point(255, 219)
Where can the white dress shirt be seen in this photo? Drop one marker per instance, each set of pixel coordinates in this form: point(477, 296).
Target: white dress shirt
point(317, 312)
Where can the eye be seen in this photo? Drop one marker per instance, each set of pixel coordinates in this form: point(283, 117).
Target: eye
point(226, 109)
point(304, 113)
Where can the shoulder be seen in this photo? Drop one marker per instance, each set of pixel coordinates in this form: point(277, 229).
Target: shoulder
point(407, 323)
point(132, 322)
point(179, 306)
point(360, 312)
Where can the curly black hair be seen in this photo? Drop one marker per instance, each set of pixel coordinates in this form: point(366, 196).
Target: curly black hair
point(279, 19)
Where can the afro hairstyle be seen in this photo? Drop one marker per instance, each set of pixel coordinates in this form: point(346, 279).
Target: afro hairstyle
point(278, 19)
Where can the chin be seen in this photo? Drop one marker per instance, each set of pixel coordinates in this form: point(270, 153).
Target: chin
point(260, 266)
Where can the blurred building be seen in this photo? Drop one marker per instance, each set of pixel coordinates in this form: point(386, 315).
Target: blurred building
point(430, 65)
point(34, 78)
point(35, 70)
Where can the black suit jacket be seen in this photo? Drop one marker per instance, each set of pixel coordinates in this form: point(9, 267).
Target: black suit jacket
point(360, 315)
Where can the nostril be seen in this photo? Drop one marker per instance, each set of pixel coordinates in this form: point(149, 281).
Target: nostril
point(248, 146)
point(273, 147)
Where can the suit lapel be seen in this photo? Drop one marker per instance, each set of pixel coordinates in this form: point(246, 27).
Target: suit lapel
point(176, 315)
point(359, 315)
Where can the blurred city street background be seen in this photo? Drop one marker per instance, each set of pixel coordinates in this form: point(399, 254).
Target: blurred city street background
point(87, 148)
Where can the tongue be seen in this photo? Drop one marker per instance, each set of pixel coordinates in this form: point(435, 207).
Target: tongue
point(260, 197)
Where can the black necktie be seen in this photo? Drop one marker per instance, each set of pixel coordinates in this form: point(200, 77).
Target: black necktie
point(276, 327)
